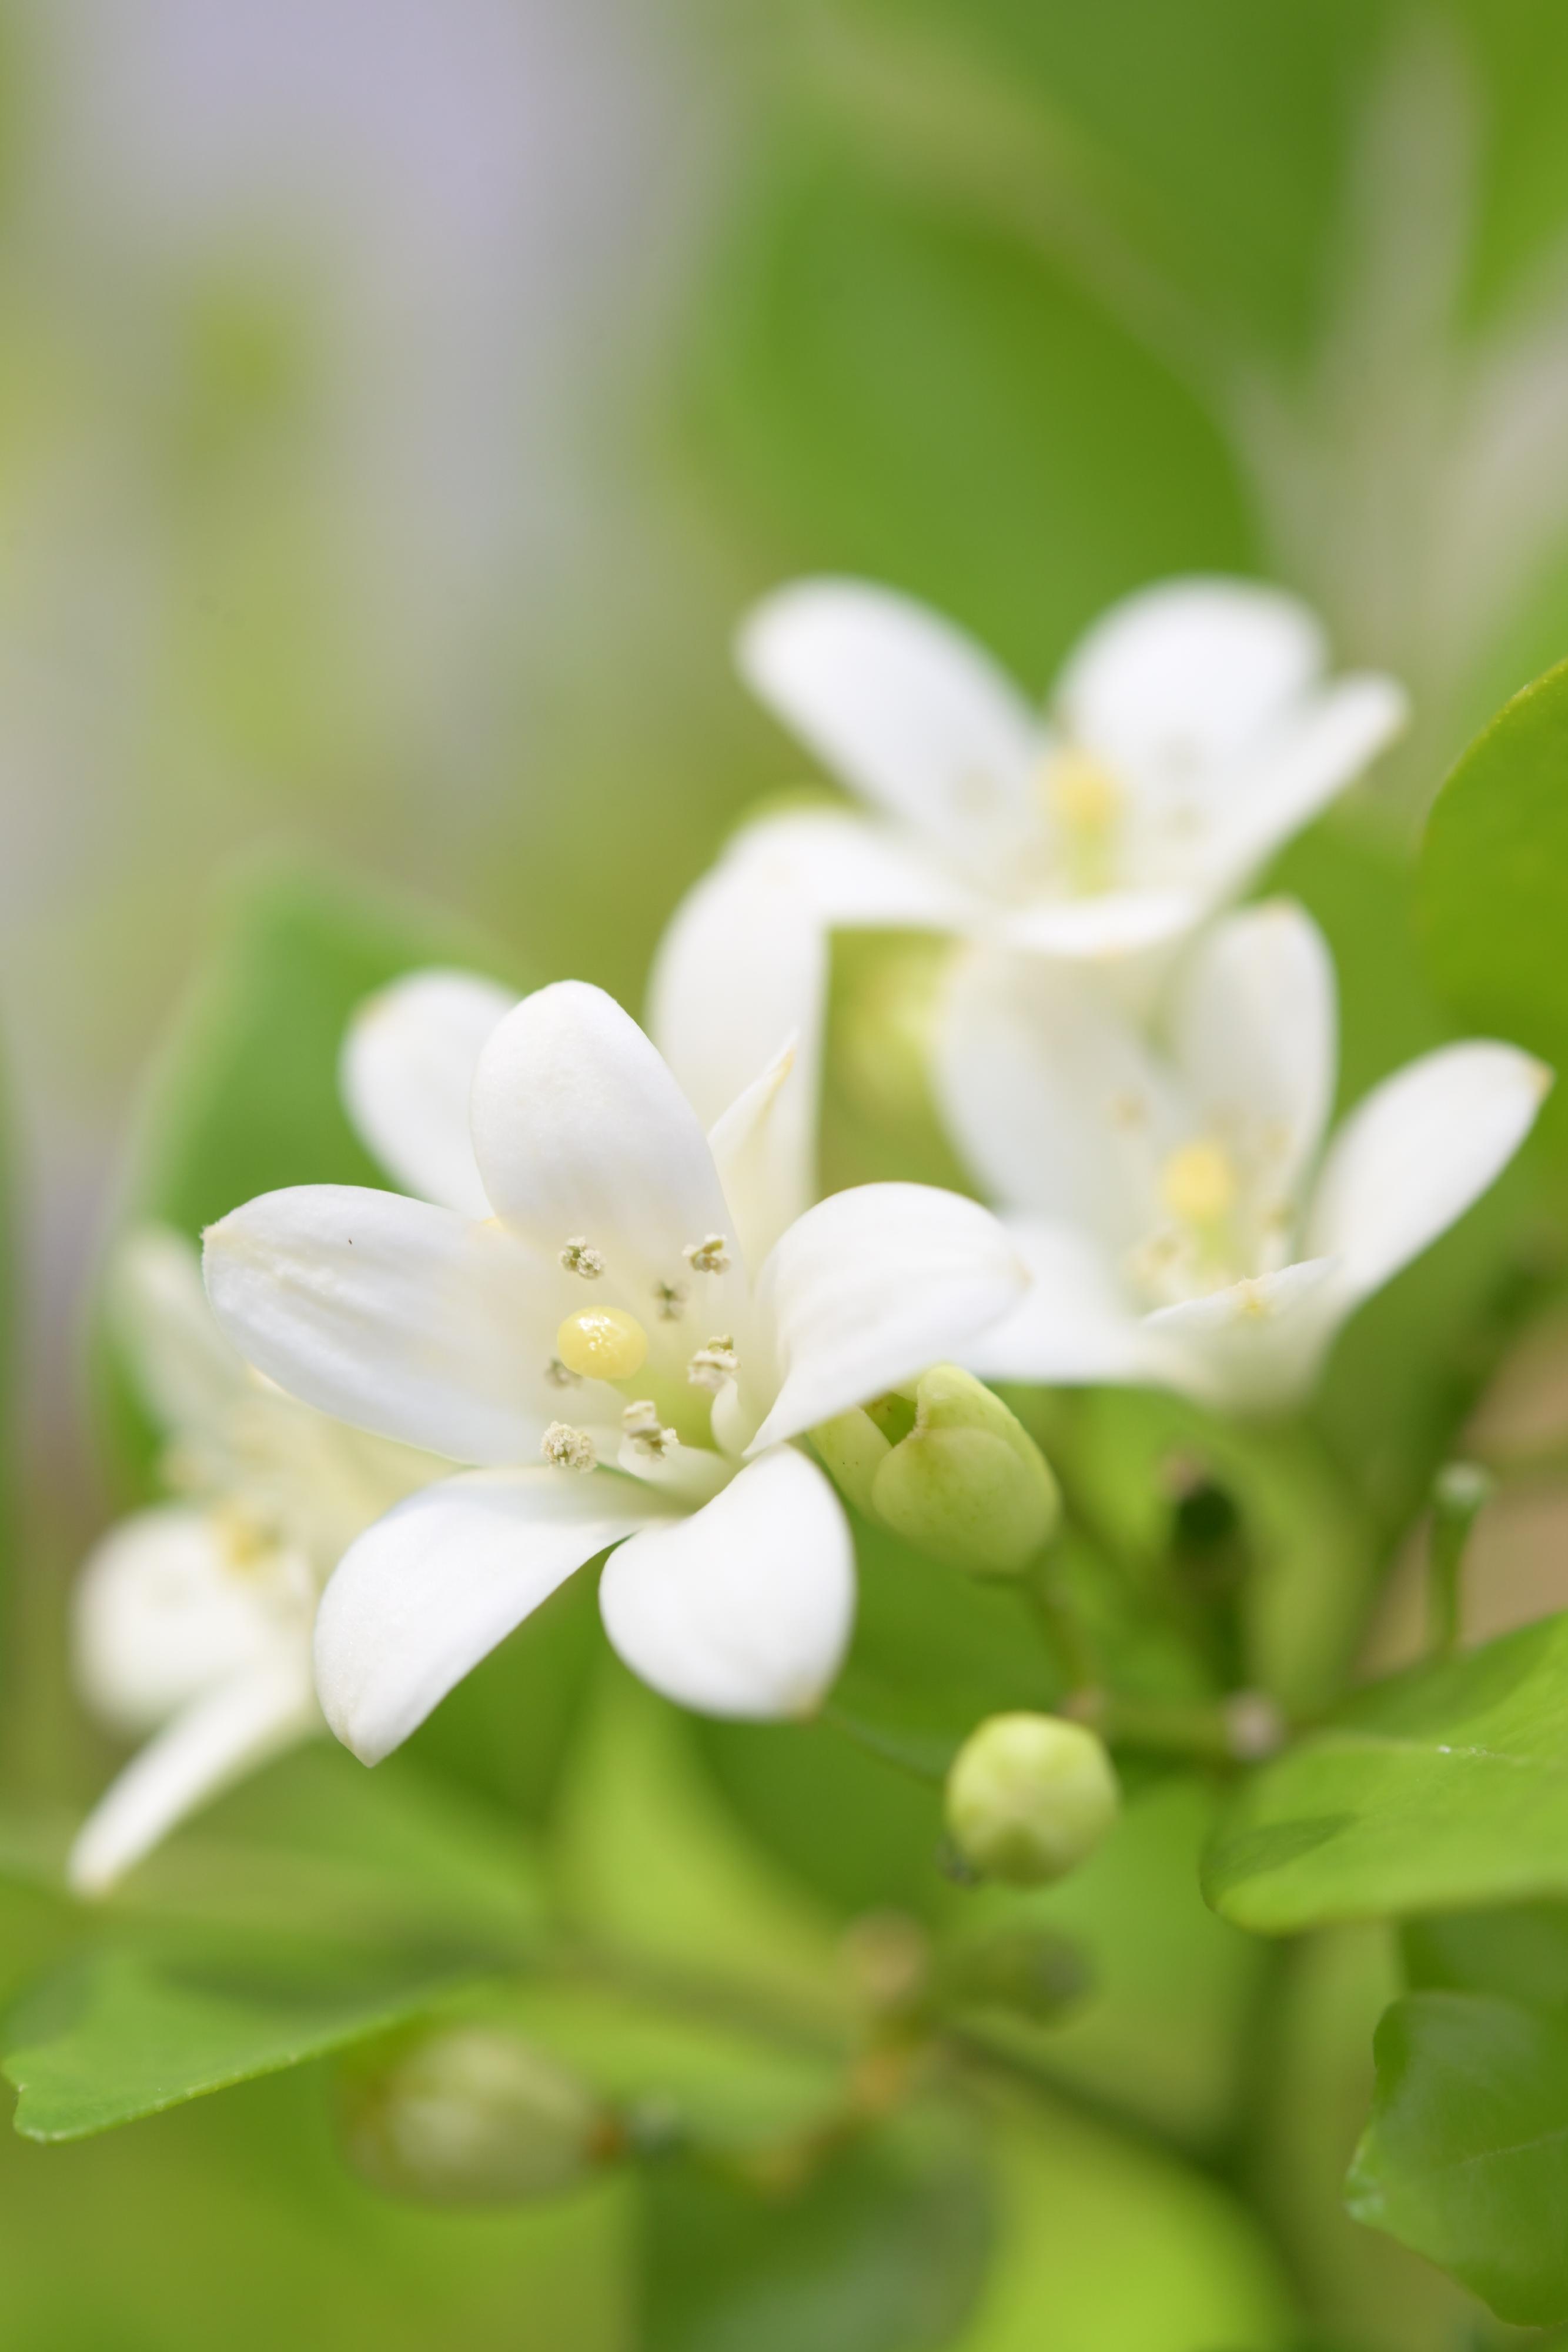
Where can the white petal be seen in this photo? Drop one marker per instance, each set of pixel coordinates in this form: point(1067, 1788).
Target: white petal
point(746, 1608)
point(757, 1148)
point(406, 1075)
point(1416, 1153)
point(1254, 1346)
point(1253, 1026)
point(1116, 923)
point(1072, 1325)
point(1290, 776)
point(217, 1739)
point(188, 1372)
point(874, 1286)
point(900, 704)
point(169, 1604)
point(1052, 1096)
point(429, 1589)
point(1197, 668)
point(393, 1314)
point(579, 1129)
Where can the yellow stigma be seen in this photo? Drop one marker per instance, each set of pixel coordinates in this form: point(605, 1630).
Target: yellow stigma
point(1080, 792)
point(602, 1343)
point(1197, 1183)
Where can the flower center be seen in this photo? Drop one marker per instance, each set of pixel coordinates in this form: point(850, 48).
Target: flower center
point(602, 1343)
point(1198, 1184)
point(1083, 803)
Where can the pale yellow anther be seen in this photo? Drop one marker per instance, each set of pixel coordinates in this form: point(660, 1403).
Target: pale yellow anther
point(602, 1343)
point(580, 1257)
point(565, 1448)
point(1080, 794)
point(709, 1256)
point(1197, 1183)
point(712, 1365)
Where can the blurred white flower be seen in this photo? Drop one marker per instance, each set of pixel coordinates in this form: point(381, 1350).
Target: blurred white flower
point(1191, 733)
point(193, 1620)
point(1166, 1200)
point(583, 1322)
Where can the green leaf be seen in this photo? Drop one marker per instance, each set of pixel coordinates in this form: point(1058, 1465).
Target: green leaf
point(1520, 1950)
point(1493, 881)
point(1445, 1786)
point(879, 2250)
point(1465, 2156)
point(123, 2035)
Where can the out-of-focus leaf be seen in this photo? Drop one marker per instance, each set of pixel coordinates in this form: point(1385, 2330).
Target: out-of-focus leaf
point(881, 2250)
point(1520, 1950)
point(1493, 883)
point(900, 390)
point(1105, 2244)
point(1465, 2156)
point(122, 2035)
point(1442, 1788)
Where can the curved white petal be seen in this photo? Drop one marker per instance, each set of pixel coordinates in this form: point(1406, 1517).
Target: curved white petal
point(746, 1608)
point(757, 1148)
point(393, 1314)
point(188, 1372)
point(899, 703)
point(1072, 1325)
point(1255, 1346)
point(1277, 790)
point(1104, 929)
point(1416, 1153)
point(874, 1286)
point(173, 1601)
point(217, 1739)
point(429, 1589)
point(406, 1074)
point(580, 1128)
point(1254, 1032)
point(1052, 1096)
point(1188, 672)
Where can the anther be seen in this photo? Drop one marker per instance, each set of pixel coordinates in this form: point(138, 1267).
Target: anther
point(561, 1376)
point(709, 1256)
point(602, 1343)
point(566, 1448)
point(1197, 1183)
point(669, 1301)
point(643, 1427)
point(712, 1365)
point(578, 1257)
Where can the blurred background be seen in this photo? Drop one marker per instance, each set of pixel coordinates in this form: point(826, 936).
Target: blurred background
point(399, 399)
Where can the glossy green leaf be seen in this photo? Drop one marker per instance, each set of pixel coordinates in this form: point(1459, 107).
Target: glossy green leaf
point(1445, 1786)
point(1520, 1950)
point(1465, 2156)
point(881, 2249)
point(123, 2035)
point(1493, 886)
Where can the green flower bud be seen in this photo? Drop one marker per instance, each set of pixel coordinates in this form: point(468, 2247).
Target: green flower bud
point(473, 2115)
point(946, 1466)
point(1029, 1797)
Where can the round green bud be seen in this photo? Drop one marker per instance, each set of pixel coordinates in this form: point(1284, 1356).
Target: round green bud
point(968, 1483)
point(473, 2115)
point(1029, 1797)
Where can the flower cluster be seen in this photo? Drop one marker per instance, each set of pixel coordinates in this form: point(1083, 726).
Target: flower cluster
point(606, 1311)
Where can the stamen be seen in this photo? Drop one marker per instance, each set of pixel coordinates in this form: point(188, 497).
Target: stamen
point(561, 1376)
point(643, 1428)
point(602, 1343)
point(1197, 1183)
point(578, 1257)
point(710, 1257)
point(712, 1365)
point(1083, 804)
point(669, 1301)
point(566, 1448)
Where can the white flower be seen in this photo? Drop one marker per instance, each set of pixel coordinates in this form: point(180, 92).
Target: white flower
point(193, 1620)
point(1192, 732)
point(620, 1342)
point(1168, 1201)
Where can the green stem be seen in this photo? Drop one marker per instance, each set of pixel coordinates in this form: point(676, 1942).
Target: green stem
point(924, 1757)
point(1459, 1492)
